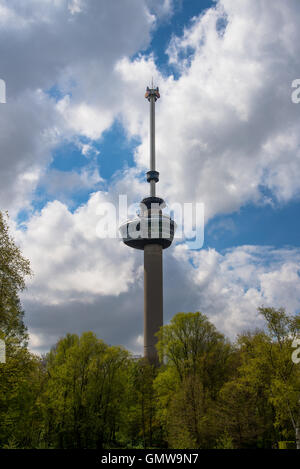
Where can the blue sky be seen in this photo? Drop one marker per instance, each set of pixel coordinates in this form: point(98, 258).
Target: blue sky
point(274, 224)
point(271, 225)
point(183, 13)
point(74, 133)
point(115, 148)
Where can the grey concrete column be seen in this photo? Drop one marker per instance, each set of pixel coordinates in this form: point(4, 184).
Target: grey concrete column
point(153, 299)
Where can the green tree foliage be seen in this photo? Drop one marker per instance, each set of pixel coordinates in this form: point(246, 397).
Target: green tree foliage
point(145, 426)
point(18, 383)
point(243, 406)
point(19, 388)
point(13, 270)
point(87, 385)
point(198, 360)
point(260, 405)
point(285, 383)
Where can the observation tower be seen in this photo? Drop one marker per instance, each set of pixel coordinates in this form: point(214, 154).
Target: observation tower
point(151, 231)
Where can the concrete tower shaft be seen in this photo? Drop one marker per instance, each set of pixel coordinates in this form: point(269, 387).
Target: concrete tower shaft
point(153, 299)
point(151, 231)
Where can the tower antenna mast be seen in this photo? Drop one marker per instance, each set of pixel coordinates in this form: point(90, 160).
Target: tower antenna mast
point(152, 94)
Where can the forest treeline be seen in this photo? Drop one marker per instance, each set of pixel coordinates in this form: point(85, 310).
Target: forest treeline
point(208, 392)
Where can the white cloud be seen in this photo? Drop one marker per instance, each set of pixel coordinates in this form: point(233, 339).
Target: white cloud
point(75, 6)
point(227, 126)
point(69, 260)
point(28, 131)
point(73, 45)
point(230, 287)
point(63, 185)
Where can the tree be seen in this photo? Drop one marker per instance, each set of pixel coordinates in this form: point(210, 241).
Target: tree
point(261, 402)
point(142, 412)
point(13, 270)
point(193, 346)
point(198, 359)
point(17, 383)
point(285, 384)
point(243, 406)
point(83, 401)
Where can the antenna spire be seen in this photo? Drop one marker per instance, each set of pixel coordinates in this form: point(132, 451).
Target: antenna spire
point(152, 94)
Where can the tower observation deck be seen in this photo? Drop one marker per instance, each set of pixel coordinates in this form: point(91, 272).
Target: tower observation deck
point(151, 231)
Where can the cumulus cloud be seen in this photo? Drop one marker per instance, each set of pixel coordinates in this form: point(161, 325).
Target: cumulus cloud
point(226, 128)
point(28, 131)
point(230, 286)
point(63, 185)
point(70, 261)
point(72, 46)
